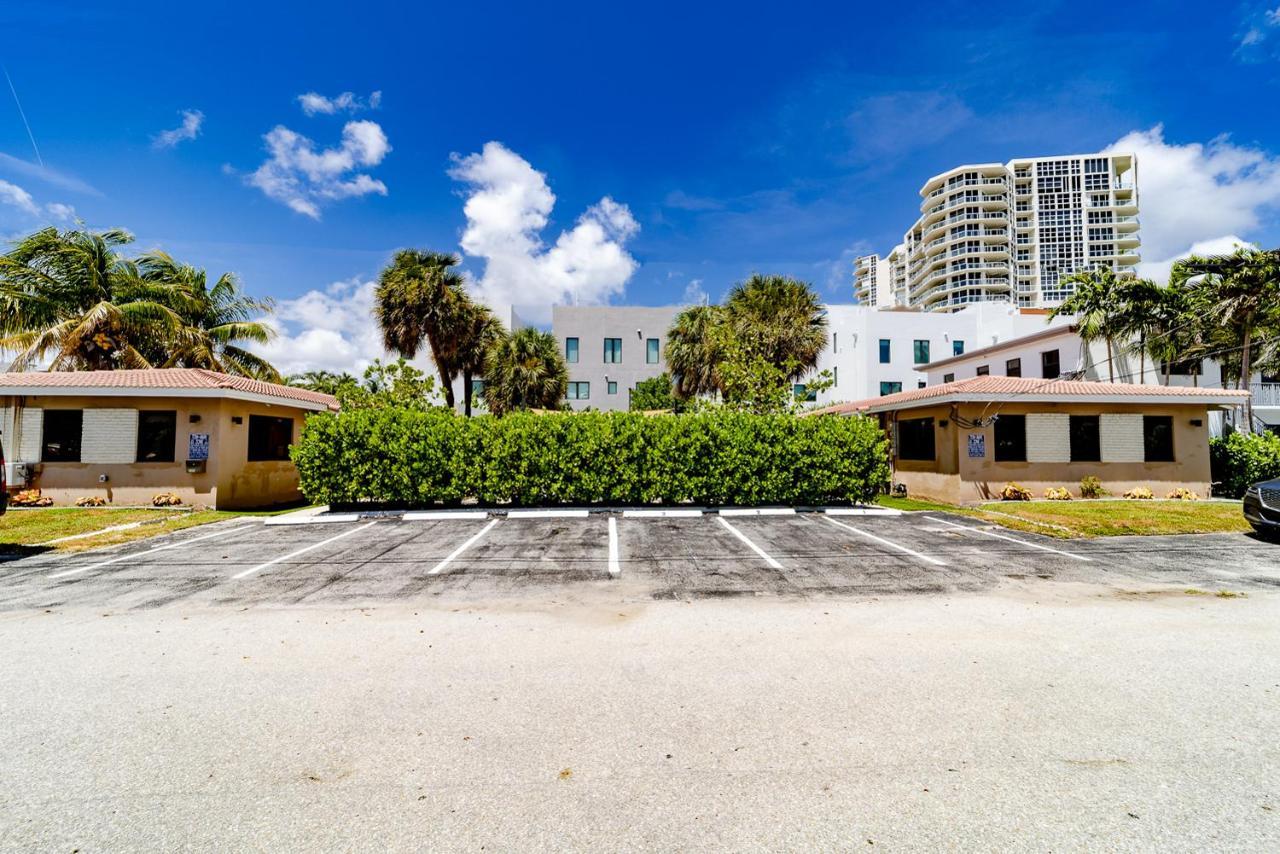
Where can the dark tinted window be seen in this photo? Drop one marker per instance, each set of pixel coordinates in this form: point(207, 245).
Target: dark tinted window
point(890, 388)
point(957, 348)
point(920, 351)
point(1157, 438)
point(1085, 445)
point(948, 378)
point(157, 436)
point(1013, 368)
point(983, 370)
point(62, 431)
point(884, 351)
point(915, 439)
point(269, 438)
point(1049, 366)
point(1011, 439)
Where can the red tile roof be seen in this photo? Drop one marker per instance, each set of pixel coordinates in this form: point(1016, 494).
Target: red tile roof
point(177, 379)
point(1003, 389)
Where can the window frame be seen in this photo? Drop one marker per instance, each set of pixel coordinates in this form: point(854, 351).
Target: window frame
point(573, 388)
point(77, 445)
point(920, 346)
point(1010, 447)
point(571, 355)
point(886, 351)
point(1044, 363)
point(652, 351)
point(610, 386)
point(957, 347)
point(143, 415)
point(1165, 421)
point(613, 347)
point(892, 389)
point(254, 454)
point(983, 371)
point(1079, 428)
point(1013, 367)
point(910, 447)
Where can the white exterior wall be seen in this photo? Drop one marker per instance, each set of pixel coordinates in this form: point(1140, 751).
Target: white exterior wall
point(109, 436)
point(1048, 437)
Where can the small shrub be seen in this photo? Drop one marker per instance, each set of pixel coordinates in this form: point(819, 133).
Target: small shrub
point(1239, 460)
point(91, 501)
point(1183, 494)
point(1057, 493)
point(166, 499)
point(30, 498)
point(1139, 492)
point(1091, 487)
point(1014, 492)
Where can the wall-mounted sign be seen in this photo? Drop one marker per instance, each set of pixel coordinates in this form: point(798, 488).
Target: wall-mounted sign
point(977, 445)
point(198, 446)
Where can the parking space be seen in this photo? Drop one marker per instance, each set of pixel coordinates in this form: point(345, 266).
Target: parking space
point(681, 555)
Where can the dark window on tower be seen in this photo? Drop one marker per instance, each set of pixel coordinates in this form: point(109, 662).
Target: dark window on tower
point(915, 439)
point(269, 438)
point(1086, 447)
point(157, 436)
point(1049, 365)
point(62, 431)
point(1157, 438)
point(1011, 439)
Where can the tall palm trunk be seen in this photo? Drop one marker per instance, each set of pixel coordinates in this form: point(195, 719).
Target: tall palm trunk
point(1246, 373)
point(1111, 364)
point(466, 392)
point(1142, 359)
point(442, 368)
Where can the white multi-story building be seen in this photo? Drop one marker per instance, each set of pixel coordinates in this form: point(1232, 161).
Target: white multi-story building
point(1015, 232)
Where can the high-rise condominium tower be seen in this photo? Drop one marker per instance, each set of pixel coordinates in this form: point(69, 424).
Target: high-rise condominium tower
point(1012, 232)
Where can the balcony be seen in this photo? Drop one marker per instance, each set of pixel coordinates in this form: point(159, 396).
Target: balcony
point(1265, 394)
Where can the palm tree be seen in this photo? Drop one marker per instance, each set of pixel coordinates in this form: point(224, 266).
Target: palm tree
point(1139, 299)
point(695, 344)
point(216, 320)
point(525, 370)
point(780, 319)
point(70, 300)
point(326, 382)
point(478, 331)
point(415, 302)
point(1243, 291)
point(1096, 304)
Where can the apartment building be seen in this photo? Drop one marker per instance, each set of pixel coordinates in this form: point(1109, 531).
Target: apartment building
point(608, 349)
point(1012, 232)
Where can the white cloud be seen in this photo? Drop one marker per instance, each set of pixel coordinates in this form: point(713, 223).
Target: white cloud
point(303, 178)
point(326, 330)
point(1259, 34)
point(61, 180)
point(192, 120)
point(347, 102)
point(15, 196)
point(508, 206)
point(1158, 271)
point(1198, 194)
point(694, 293)
point(61, 212)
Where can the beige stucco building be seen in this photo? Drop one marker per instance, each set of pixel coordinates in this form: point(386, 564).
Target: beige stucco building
point(213, 439)
point(963, 441)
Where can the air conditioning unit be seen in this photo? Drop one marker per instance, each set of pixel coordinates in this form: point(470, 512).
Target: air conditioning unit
point(18, 474)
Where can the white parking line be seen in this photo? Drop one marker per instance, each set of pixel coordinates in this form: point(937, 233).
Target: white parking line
point(773, 563)
point(615, 569)
point(758, 511)
point(102, 563)
point(431, 515)
point(274, 561)
point(883, 541)
point(862, 511)
point(546, 514)
point(435, 570)
point(1010, 539)
point(660, 514)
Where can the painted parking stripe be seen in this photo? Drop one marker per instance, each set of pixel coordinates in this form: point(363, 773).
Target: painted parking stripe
point(433, 515)
point(615, 568)
point(300, 551)
point(741, 536)
point(758, 511)
point(1010, 539)
point(862, 511)
point(438, 568)
point(661, 514)
point(547, 514)
point(131, 555)
point(883, 541)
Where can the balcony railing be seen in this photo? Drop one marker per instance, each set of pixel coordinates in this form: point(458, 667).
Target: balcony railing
point(1265, 394)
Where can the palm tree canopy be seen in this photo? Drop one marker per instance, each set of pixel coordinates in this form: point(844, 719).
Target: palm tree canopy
point(525, 370)
point(779, 318)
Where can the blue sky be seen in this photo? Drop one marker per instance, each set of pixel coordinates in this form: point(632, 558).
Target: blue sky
point(598, 152)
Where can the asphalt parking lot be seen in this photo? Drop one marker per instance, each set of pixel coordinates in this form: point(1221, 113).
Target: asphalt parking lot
point(690, 555)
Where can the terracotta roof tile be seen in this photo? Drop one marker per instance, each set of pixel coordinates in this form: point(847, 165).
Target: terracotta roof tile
point(178, 379)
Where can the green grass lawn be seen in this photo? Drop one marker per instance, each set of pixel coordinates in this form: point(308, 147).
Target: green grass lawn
point(1116, 517)
point(913, 504)
point(30, 527)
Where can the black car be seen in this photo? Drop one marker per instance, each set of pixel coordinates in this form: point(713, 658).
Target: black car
point(1262, 507)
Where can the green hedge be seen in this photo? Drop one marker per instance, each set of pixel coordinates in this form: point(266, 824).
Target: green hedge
point(412, 458)
point(1238, 460)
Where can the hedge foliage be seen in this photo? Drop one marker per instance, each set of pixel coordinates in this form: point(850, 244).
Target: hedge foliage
point(1238, 460)
point(420, 458)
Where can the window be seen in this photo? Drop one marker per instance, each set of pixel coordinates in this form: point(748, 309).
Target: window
point(477, 388)
point(834, 348)
point(1157, 438)
point(983, 370)
point(835, 375)
point(62, 431)
point(1013, 368)
point(890, 388)
point(884, 351)
point(611, 387)
point(957, 348)
point(1049, 367)
point(612, 351)
point(948, 378)
point(157, 436)
point(578, 391)
point(803, 393)
point(915, 439)
point(1085, 445)
point(571, 350)
point(1011, 439)
point(651, 351)
point(921, 384)
point(920, 350)
point(269, 438)
point(1184, 368)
